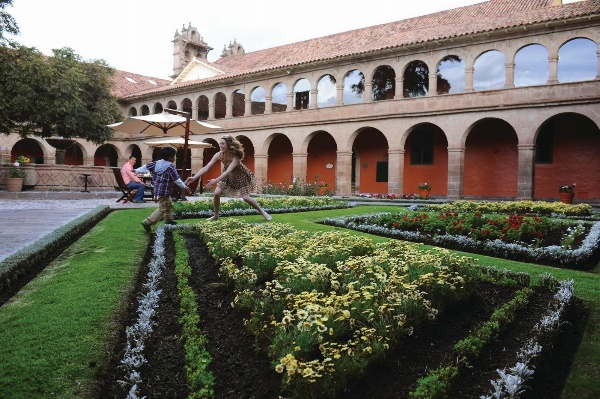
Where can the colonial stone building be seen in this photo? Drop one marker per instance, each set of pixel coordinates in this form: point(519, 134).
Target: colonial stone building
point(495, 100)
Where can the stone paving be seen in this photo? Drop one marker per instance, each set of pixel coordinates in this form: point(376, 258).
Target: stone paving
point(25, 221)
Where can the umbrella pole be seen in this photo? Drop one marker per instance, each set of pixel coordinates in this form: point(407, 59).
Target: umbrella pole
point(184, 173)
point(187, 115)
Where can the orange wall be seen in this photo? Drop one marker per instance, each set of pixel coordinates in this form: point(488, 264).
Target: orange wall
point(436, 175)
point(321, 151)
point(576, 159)
point(491, 161)
point(370, 147)
point(280, 168)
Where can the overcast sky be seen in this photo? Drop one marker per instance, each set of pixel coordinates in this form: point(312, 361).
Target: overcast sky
point(136, 35)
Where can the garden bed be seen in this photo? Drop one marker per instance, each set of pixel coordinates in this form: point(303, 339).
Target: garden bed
point(240, 371)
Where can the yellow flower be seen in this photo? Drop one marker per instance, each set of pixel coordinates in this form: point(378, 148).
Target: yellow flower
point(279, 368)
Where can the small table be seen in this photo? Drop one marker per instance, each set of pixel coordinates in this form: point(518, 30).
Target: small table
point(85, 177)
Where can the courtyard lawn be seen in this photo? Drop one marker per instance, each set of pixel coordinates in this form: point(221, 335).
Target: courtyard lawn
point(58, 330)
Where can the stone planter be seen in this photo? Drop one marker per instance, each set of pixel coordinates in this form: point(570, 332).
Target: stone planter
point(14, 184)
point(566, 198)
point(424, 193)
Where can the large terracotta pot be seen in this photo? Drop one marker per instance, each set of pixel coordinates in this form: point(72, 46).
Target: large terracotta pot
point(14, 184)
point(566, 198)
point(423, 192)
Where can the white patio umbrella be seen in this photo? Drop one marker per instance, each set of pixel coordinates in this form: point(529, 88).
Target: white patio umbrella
point(166, 124)
point(178, 142)
point(163, 124)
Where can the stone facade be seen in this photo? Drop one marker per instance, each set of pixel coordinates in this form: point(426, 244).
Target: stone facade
point(473, 141)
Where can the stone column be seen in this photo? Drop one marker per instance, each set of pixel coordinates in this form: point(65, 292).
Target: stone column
point(290, 102)
point(432, 85)
point(197, 160)
point(211, 111)
point(299, 166)
point(343, 173)
point(598, 73)
point(50, 157)
point(247, 107)
point(526, 172)
point(260, 167)
point(88, 161)
point(229, 109)
point(4, 155)
point(552, 70)
point(195, 113)
point(312, 104)
point(456, 173)
point(396, 171)
point(268, 105)
point(399, 88)
point(368, 92)
point(510, 75)
point(339, 99)
point(469, 79)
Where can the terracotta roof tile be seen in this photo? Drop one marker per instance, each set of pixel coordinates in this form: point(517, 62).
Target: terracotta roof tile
point(127, 83)
point(478, 18)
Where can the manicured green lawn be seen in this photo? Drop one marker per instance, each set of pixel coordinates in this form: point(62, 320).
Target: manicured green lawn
point(57, 332)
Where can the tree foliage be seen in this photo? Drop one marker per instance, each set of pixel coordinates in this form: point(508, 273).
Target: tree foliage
point(59, 95)
point(55, 96)
point(7, 22)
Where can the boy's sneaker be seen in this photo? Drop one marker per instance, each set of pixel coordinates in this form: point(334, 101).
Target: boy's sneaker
point(171, 222)
point(146, 226)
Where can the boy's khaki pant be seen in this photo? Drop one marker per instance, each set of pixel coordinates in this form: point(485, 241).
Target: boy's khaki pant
point(164, 211)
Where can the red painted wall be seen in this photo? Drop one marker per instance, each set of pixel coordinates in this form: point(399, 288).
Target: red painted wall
point(216, 169)
point(321, 151)
point(280, 162)
point(575, 159)
point(436, 175)
point(491, 160)
point(370, 147)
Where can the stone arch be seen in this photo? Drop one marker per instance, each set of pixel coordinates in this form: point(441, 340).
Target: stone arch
point(202, 104)
point(279, 97)
point(383, 83)
point(321, 157)
point(531, 65)
point(107, 155)
point(577, 60)
point(491, 159)
point(158, 108)
point(451, 77)
point(326, 91)
point(280, 166)
point(220, 100)
point(567, 146)
point(489, 71)
point(302, 97)
point(369, 161)
point(354, 84)
point(238, 103)
point(144, 110)
point(186, 105)
point(425, 158)
point(30, 148)
point(257, 100)
point(132, 111)
point(415, 78)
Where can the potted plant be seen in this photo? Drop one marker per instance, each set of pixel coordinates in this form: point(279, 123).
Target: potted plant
point(16, 174)
point(424, 189)
point(567, 193)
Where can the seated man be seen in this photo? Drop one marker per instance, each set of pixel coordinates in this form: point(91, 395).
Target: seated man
point(132, 180)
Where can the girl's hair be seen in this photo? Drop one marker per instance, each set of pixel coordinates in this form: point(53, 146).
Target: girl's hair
point(234, 146)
